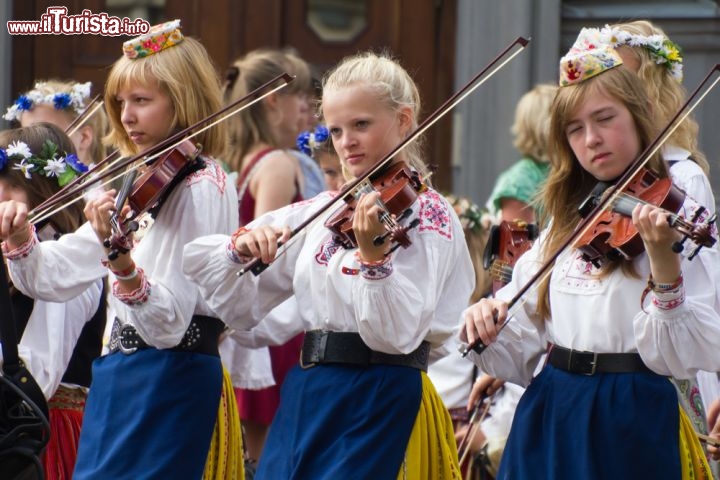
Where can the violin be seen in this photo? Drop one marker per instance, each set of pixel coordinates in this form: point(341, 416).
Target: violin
point(613, 236)
point(148, 191)
point(399, 187)
point(507, 242)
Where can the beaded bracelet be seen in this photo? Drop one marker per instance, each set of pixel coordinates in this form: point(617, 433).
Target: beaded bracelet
point(664, 287)
point(661, 288)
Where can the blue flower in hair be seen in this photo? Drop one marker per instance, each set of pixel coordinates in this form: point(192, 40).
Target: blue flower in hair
point(75, 163)
point(3, 158)
point(23, 103)
point(303, 143)
point(61, 101)
point(321, 133)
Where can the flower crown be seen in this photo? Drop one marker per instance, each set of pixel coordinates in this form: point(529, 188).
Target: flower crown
point(74, 99)
point(160, 37)
point(471, 216)
point(307, 142)
point(48, 163)
point(661, 49)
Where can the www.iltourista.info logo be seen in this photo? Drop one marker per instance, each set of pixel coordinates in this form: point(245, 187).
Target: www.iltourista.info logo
point(56, 21)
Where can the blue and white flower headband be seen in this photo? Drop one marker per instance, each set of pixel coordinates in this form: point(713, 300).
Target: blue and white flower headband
point(307, 142)
point(75, 99)
point(48, 163)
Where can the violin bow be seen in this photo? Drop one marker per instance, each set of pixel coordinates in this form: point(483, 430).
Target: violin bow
point(480, 411)
point(168, 144)
point(88, 112)
point(613, 192)
point(256, 266)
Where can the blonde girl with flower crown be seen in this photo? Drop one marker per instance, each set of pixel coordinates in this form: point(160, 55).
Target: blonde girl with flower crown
point(58, 340)
point(60, 103)
point(602, 406)
point(155, 396)
point(360, 404)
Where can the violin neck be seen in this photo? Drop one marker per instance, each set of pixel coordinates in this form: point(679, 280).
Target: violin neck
point(624, 205)
point(124, 192)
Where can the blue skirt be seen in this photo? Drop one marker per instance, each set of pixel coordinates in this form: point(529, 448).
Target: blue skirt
point(605, 426)
point(149, 415)
point(342, 422)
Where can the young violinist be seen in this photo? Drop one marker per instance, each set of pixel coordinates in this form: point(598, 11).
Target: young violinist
point(602, 406)
point(155, 397)
point(58, 340)
point(647, 50)
point(60, 103)
point(360, 404)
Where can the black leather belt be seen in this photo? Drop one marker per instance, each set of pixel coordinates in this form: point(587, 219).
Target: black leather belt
point(202, 336)
point(322, 346)
point(590, 363)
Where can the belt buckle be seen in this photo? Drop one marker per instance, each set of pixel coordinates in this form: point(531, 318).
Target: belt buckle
point(121, 337)
point(593, 363)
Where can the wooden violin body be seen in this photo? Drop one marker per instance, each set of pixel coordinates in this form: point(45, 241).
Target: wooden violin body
point(146, 191)
point(613, 236)
point(399, 187)
point(507, 242)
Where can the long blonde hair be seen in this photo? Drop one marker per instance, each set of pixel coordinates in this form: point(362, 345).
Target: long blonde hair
point(568, 183)
point(666, 93)
point(251, 127)
point(390, 82)
point(185, 73)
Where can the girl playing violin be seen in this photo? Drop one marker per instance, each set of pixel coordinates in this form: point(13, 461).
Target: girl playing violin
point(602, 406)
point(647, 50)
point(58, 340)
point(155, 396)
point(360, 404)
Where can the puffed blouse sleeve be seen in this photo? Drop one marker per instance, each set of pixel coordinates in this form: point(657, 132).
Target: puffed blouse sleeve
point(242, 301)
point(515, 354)
point(679, 336)
point(417, 293)
point(57, 271)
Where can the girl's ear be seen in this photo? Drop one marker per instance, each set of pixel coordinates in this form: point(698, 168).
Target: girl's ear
point(271, 100)
point(405, 116)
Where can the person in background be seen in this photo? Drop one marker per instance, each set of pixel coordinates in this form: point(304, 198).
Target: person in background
point(58, 340)
point(60, 103)
point(317, 145)
point(269, 176)
point(516, 187)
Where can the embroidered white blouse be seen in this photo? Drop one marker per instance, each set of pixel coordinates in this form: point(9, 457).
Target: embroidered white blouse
point(415, 295)
point(604, 315)
point(203, 203)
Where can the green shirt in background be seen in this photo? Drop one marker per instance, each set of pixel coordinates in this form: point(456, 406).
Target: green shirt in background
point(519, 182)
